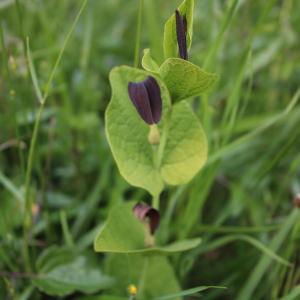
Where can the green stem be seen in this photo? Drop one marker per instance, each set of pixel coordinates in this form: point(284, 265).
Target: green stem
point(142, 282)
point(65, 228)
point(155, 156)
point(158, 152)
point(28, 198)
point(4, 53)
point(163, 139)
point(155, 201)
point(138, 34)
point(21, 24)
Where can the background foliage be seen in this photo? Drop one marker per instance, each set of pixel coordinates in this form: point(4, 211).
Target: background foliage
point(242, 198)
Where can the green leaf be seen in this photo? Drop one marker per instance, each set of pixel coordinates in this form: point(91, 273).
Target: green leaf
point(124, 233)
point(170, 37)
point(186, 148)
point(189, 292)
point(185, 79)
point(148, 63)
point(183, 147)
point(62, 272)
point(153, 276)
point(127, 133)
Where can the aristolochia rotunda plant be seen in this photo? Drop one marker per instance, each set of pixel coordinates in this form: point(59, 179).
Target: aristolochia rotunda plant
point(156, 140)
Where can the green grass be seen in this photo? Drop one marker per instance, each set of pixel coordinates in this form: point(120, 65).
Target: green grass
point(54, 65)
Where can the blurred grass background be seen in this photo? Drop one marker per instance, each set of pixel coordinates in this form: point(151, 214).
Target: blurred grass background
point(251, 118)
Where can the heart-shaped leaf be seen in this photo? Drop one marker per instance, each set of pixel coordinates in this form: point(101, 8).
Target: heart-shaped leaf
point(157, 274)
point(183, 147)
point(61, 271)
point(127, 133)
point(124, 233)
point(170, 37)
point(184, 79)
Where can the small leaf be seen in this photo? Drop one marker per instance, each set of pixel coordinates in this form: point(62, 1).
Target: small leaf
point(186, 149)
point(124, 233)
point(62, 272)
point(170, 36)
point(127, 133)
point(185, 79)
point(158, 277)
point(148, 63)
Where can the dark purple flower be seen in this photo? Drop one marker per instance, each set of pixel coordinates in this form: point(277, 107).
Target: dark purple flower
point(181, 31)
point(143, 212)
point(146, 98)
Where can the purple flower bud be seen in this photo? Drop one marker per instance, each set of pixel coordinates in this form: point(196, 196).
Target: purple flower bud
point(181, 30)
point(146, 98)
point(143, 212)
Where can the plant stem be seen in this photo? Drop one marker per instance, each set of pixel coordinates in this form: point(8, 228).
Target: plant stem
point(138, 34)
point(155, 201)
point(143, 277)
point(28, 199)
point(65, 228)
point(164, 136)
point(21, 24)
point(155, 156)
point(158, 152)
point(4, 53)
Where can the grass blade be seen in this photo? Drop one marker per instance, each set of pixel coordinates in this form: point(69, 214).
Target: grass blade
point(248, 289)
point(248, 239)
point(28, 200)
point(294, 294)
point(33, 73)
point(11, 187)
point(189, 292)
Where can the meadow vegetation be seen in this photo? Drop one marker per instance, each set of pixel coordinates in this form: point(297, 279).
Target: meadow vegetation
point(59, 180)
